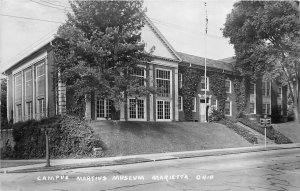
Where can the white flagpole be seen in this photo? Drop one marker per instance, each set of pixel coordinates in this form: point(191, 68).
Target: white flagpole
point(205, 77)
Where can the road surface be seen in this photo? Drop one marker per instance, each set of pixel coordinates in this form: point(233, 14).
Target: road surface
point(277, 170)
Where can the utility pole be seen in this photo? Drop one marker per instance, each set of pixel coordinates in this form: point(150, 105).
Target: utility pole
point(205, 77)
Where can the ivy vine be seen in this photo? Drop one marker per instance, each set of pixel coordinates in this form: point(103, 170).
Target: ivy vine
point(190, 82)
point(241, 90)
point(217, 82)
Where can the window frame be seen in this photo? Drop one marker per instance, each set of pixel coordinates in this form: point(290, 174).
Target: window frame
point(227, 80)
point(139, 76)
point(267, 92)
point(164, 114)
point(254, 108)
point(230, 109)
point(207, 84)
point(265, 111)
point(137, 109)
point(169, 80)
point(194, 104)
point(180, 102)
point(180, 80)
point(37, 78)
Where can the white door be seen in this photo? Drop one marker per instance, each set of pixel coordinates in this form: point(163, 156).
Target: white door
point(202, 110)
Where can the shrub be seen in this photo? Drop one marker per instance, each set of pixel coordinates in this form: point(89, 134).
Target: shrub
point(240, 130)
point(272, 133)
point(68, 137)
point(216, 115)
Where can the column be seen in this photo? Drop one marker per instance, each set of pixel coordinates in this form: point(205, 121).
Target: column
point(151, 97)
point(176, 94)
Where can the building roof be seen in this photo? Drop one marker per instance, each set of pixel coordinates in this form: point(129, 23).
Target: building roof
point(230, 60)
point(209, 62)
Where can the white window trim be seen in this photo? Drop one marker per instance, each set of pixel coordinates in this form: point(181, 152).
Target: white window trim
point(145, 110)
point(171, 110)
point(37, 77)
point(105, 103)
point(280, 92)
point(254, 89)
point(142, 67)
point(29, 70)
point(230, 108)
point(266, 113)
point(181, 103)
point(265, 86)
point(216, 105)
point(207, 85)
point(229, 86)
point(15, 85)
point(195, 103)
point(254, 108)
point(171, 84)
point(180, 80)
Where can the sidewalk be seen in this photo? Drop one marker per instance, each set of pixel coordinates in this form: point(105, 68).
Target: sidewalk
point(64, 164)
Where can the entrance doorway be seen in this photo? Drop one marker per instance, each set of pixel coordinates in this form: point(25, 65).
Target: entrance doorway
point(203, 116)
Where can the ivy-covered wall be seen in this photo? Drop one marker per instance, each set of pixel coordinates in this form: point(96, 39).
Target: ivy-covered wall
point(191, 78)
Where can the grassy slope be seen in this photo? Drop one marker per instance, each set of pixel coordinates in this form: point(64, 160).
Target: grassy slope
point(290, 129)
point(127, 138)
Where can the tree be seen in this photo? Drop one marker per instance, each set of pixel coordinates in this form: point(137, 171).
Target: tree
point(3, 103)
point(266, 39)
point(98, 49)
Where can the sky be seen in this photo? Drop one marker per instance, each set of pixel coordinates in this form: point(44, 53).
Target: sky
point(182, 22)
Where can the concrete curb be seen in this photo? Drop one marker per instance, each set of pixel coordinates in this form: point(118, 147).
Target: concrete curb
point(134, 159)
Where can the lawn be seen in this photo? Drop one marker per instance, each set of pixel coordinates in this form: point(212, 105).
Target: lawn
point(290, 129)
point(127, 138)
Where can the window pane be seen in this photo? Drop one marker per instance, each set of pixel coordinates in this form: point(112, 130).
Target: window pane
point(227, 108)
point(163, 83)
point(132, 108)
point(167, 110)
point(160, 109)
point(252, 107)
point(140, 107)
point(179, 103)
point(227, 85)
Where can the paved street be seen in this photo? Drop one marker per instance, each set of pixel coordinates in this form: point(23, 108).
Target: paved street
point(269, 170)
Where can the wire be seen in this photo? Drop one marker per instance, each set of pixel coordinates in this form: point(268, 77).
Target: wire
point(48, 5)
point(29, 18)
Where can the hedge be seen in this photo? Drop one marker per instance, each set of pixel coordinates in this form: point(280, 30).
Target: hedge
point(272, 133)
point(240, 130)
point(68, 137)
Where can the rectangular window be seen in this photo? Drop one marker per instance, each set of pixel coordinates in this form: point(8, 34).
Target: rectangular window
point(103, 108)
point(28, 84)
point(19, 112)
point(228, 86)
point(29, 111)
point(140, 74)
point(279, 92)
point(163, 82)
point(18, 88)
point(266, 88)
point(252, 108)
point(252, 89)
point(203, 83)
point(136, 109)
point(266, 109)
point(163, 110)
point(194, 104)
point(180, 80)
point(227, 109)
point(40, 78)
point(214, 104)
point(180, 103)
point(41, 108)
